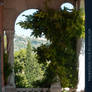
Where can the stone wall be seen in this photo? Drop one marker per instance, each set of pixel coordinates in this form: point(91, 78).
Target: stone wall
point(32, 90)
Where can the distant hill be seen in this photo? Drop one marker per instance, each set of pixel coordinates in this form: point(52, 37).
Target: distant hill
point(21, 42)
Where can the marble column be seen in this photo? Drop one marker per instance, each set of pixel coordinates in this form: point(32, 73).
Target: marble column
point(10, 51)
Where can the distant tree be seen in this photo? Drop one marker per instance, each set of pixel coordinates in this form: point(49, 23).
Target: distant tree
point(27, 69)
point(33, 69)
point(19, 67)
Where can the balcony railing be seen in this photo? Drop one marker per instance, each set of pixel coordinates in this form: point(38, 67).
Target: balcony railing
point(32, 90)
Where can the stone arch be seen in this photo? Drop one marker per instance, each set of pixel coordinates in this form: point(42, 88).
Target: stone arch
point(12, 8)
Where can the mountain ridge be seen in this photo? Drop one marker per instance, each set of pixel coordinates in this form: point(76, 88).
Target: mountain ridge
point(21, 42)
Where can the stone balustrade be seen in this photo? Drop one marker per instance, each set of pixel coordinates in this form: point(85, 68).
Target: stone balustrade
point(32, 90)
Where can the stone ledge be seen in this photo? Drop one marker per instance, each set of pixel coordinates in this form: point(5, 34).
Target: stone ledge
point(10, 90)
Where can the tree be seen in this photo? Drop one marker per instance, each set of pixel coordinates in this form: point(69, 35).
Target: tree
point(32, 67)
point(62, 29)
point(19, 67)
point(27, 69)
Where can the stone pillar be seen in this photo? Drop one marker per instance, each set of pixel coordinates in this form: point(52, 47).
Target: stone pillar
point(56, 87)
point(1, 49)
point(10, 51)
point(79, 46)
point(78, 50)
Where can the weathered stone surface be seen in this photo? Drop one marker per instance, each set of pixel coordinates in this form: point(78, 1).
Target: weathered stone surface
point(10, 90)
point(56, 87)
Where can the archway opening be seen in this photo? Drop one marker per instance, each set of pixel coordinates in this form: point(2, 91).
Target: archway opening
point(67, 6)
point(28, 72)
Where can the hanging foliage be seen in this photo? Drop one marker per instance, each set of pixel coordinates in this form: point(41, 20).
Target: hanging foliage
point(62, 29)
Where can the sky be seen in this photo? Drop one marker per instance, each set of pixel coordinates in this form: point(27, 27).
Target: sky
point(67, 5)
point(20, 31)
point(24, 33)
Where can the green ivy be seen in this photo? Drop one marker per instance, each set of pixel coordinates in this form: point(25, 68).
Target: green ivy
point(62, 29)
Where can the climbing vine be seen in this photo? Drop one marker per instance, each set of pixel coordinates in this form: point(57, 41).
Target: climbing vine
point(62, 29)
